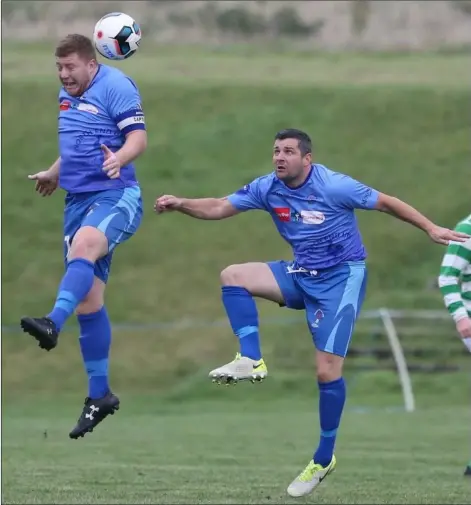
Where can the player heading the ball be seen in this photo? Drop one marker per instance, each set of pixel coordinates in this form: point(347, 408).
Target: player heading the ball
point(101, 133)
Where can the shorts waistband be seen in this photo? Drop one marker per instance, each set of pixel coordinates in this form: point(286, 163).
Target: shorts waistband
point(295, 268)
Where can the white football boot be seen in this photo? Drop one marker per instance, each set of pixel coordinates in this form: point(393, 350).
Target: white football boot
point(240, 369)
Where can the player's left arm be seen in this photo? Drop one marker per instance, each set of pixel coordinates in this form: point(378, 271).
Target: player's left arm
point(353, 194)
point(124, 103)
point(405, 212)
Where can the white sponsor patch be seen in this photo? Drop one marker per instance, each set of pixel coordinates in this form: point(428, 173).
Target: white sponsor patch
point(86, 107)
point(312, 217)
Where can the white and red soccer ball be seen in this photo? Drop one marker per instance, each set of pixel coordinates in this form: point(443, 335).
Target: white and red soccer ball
point(117, 36)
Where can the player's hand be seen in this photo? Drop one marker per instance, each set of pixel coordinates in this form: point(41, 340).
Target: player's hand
point(445, 236)
point(46, 182)
point(167, 203)
point(111, 165)
point(463, 327)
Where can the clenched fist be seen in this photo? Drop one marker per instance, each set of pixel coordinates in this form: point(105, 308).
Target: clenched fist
point(166, 203)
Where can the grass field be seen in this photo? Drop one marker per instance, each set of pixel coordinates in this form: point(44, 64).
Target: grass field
point(397, 122)
point(245, 453)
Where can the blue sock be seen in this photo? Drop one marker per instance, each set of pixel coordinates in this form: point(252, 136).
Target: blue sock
point(331, 402)
point(95, 343)
point(243, 316)
point(74, 287)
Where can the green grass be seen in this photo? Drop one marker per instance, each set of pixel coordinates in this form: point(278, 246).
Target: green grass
point(249, 66)
point(399, 123)
point(248, 452)
point(211, 138)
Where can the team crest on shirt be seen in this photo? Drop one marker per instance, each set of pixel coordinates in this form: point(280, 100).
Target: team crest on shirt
point(319, 315)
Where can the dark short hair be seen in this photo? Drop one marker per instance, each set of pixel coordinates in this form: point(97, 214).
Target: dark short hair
point(76, 43)
point(304, 141)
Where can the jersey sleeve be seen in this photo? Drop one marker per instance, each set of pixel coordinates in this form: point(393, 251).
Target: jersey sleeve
point(352, 194)
point(456, 258)
point(248, 197)
point(124, 105)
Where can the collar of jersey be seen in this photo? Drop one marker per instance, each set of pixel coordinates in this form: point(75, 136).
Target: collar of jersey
point(95, 78)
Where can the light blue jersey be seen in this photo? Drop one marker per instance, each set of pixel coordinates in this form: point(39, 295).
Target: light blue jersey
point(317, 218)
point(109, 109)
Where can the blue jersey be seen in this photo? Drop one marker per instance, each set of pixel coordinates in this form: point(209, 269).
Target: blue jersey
point(109, 109)
point(317, 218)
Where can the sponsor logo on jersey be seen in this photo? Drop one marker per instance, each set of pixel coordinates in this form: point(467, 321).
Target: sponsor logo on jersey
point(66, 104)
point(283, 213)
point(312, 217)
point(87, 107)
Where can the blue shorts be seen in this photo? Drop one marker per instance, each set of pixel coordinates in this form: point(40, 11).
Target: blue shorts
point(115, 212)
point(331, 297)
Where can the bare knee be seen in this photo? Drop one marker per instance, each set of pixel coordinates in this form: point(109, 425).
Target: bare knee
point(233, 275)
point(329, 366)
point(89, 243)
point(95, 299)
point(256, 278)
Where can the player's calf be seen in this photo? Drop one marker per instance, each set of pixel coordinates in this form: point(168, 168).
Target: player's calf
point(93, 413)
point(240, 283)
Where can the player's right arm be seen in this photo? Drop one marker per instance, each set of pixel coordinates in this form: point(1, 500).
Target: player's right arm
point(199, 208)
point(246, 198)
point(47, 180)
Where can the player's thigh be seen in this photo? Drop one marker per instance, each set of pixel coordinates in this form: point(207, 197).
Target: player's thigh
point(117, 215)
point(256, 278)
point(264, 280)
point(94, 300)
point(73, 216)
point(333, 307)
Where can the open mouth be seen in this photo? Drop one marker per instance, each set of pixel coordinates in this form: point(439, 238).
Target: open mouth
point(70, 86)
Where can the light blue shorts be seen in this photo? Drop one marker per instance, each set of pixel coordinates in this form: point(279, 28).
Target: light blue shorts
point(115, 212)
point(332, 298)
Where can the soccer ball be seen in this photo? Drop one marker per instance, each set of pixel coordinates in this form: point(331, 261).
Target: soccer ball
point(117, 36)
